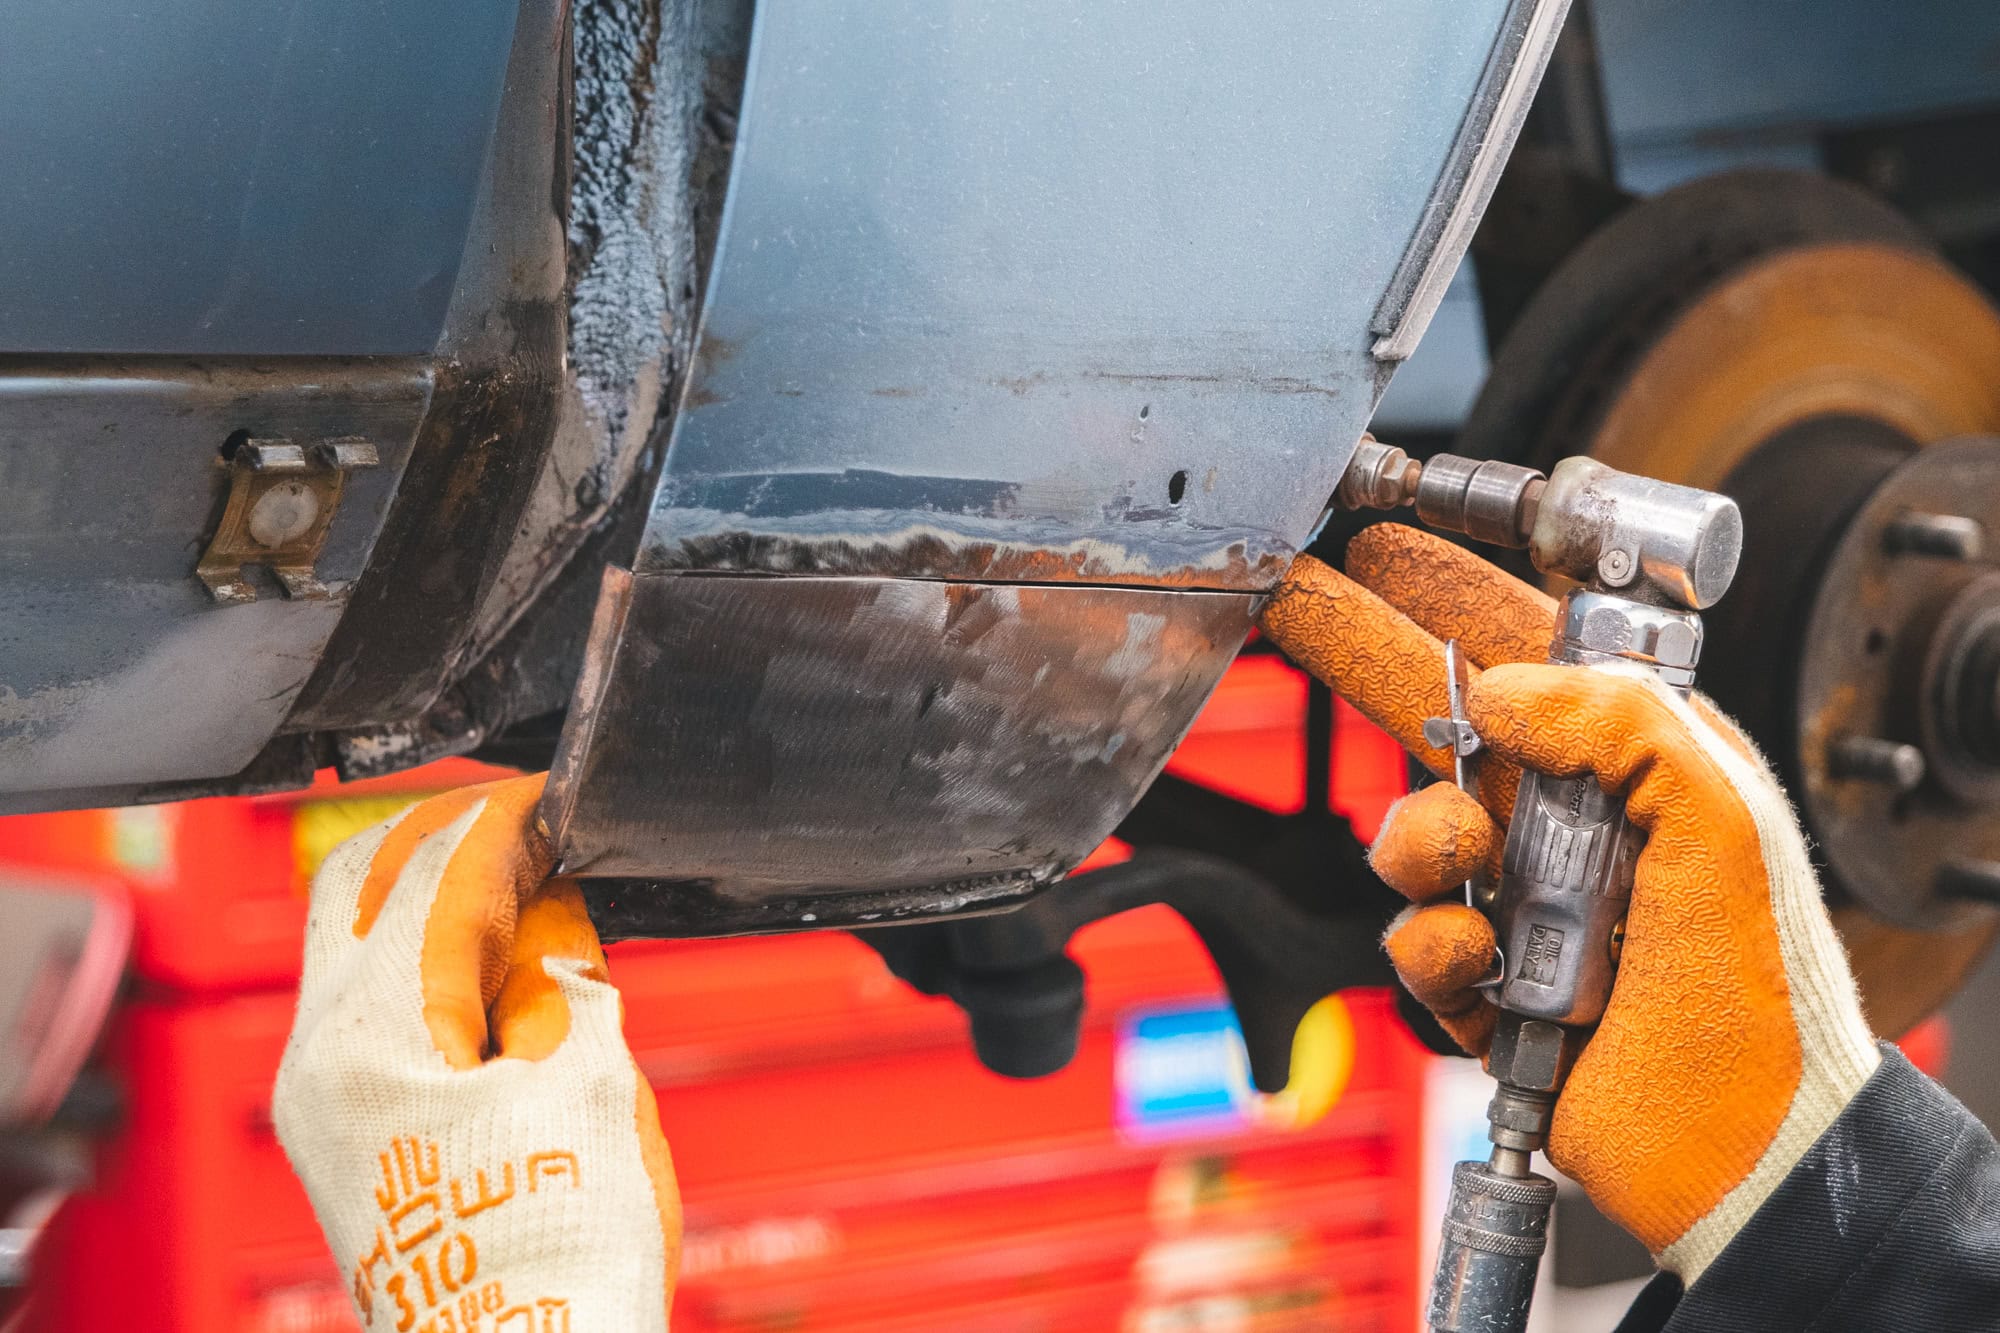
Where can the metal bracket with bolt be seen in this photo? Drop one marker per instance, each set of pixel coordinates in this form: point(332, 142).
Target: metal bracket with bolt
point(282, 500)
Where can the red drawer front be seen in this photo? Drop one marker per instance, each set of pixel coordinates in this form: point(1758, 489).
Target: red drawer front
point(845, 1162)
point(196, 1209)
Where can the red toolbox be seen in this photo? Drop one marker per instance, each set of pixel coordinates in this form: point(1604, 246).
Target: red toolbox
point(845, 1161)
point(218, 886)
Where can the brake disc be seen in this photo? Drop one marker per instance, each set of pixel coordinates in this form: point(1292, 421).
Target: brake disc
point(1796, 344)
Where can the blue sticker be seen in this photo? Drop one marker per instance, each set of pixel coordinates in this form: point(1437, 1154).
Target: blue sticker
point(1182, 1072)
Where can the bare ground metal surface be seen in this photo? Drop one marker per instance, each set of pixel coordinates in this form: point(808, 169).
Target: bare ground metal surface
point(780, 739)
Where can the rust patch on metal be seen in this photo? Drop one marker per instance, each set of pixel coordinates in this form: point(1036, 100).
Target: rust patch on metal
point(930, 556)
point(470, 475)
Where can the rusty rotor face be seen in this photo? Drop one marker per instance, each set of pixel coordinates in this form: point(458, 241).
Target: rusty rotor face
point(1897, 718)
point(1769, 368)
point(1806, 377)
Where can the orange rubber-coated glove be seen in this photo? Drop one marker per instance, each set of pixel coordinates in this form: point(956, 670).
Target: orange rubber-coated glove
point(457, 1095)
point(1734, 1035)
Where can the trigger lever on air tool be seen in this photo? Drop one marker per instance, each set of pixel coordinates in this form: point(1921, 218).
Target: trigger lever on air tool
point(1455, 733)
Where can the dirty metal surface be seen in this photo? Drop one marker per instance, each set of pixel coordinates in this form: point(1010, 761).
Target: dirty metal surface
point(1025, 291)
point(563, 349)
point(240, 177)
point(1035, 341)
point(117, 665)
point(771, 752)
point(1885, 627)
point(467, 509)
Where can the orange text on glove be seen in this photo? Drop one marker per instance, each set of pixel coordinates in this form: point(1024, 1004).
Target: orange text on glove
point(425, 1264)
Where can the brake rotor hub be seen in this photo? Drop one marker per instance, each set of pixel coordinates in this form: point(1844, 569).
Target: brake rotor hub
point(1895, 711)
point(1962, 694)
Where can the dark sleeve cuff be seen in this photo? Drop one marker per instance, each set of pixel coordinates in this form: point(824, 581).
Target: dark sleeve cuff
point(1890, 1221)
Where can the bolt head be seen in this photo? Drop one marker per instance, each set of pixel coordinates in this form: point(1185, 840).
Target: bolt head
point(1528, 1054)
point(1676, 644)
point(1899, 766)
point(1606, 630)
point(1970, 878)
point(284, 513)
point(1945, 536)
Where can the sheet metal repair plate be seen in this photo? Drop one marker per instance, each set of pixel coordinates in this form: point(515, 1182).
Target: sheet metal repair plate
point(1032, 290)
point(885, 745)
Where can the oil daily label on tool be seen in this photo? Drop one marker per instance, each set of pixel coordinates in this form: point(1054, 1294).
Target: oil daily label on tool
point(1538, 960)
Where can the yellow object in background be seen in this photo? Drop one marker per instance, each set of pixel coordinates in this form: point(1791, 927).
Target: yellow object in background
point(1322, 1064)
point(320, 826)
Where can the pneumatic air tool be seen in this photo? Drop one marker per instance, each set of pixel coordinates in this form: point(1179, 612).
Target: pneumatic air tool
point(1648, 556)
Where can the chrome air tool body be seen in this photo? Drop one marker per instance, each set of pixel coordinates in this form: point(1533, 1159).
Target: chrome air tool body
point(1649, 556)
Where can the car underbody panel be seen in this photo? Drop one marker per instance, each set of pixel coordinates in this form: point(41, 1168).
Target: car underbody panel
point(1001, 417)
point(941, 389)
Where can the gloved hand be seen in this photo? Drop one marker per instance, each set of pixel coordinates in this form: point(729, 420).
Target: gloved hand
point(1734, 1035)
point(456, 1094)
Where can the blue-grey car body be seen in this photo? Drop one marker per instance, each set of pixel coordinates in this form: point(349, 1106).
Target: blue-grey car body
point(239, 177)
point(1060, 255)
point(218, 217)
point(1004, 293)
